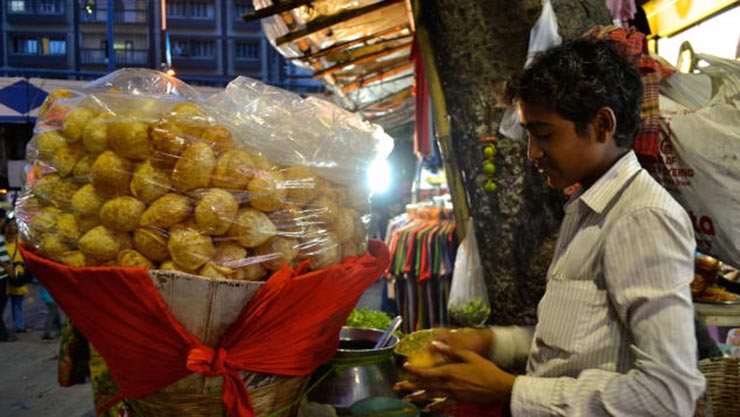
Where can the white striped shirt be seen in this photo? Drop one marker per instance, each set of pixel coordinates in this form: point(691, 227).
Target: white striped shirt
point(615, 331)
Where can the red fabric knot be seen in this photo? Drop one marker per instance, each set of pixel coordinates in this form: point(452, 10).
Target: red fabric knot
point(207, 361)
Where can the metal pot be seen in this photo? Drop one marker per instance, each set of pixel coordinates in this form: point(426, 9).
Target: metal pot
point(357, 371)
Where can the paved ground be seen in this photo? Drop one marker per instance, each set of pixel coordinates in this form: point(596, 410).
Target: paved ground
point(28, 385)
point(28, 371)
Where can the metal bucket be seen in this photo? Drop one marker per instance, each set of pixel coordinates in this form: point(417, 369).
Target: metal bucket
point(357, 371)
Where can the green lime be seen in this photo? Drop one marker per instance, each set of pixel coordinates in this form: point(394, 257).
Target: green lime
point(491, 186)
point(489, 151)
point(489, 168)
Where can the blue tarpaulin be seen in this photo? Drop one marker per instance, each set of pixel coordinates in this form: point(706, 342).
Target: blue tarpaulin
point(19, 99)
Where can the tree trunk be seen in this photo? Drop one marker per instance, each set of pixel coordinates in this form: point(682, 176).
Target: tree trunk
point(477, 44)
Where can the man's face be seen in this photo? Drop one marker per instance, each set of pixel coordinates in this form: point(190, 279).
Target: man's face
point(557, 151)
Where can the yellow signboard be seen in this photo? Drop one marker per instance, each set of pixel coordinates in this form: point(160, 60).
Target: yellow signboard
point(667, 17)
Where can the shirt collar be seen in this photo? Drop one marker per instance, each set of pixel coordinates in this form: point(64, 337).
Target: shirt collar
point(601, 193)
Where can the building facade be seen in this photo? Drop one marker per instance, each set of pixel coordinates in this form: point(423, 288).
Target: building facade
point(207, 41)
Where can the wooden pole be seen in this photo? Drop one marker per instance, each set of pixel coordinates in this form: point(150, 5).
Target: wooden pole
point(361, 60)
point(276, 8)
point(442, 127)
point(344, 45)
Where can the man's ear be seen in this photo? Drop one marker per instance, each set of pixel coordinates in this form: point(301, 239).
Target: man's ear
point(605, 123)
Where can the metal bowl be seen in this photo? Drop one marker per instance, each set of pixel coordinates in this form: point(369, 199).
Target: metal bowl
point(360, 341)
point(357, 371)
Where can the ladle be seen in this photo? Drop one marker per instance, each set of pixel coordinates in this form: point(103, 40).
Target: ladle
point(388, 332)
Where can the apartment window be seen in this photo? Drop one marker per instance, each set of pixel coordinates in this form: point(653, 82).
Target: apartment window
point(201, 10)
point(39, 46)
point(177, 9)
point(20, 6)
point(197, 9)
point(242, 7)
point(48, 6)
point(194, 48)
point(57, 47)
point(202, 49)
point(25, 46)
point(248, 50)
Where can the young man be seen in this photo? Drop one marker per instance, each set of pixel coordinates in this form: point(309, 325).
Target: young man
point(615, 331)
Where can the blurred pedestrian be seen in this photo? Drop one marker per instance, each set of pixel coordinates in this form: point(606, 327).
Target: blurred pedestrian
point(53, 326)
point(6, 270)
point(16, 294)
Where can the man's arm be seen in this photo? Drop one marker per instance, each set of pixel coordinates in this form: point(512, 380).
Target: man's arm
point(648, 264)
point(510, 346)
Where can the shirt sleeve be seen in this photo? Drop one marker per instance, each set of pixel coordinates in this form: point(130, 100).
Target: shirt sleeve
point(511, 345)
point(648, 264)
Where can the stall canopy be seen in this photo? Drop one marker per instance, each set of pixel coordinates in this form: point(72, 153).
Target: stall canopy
point(360, 49)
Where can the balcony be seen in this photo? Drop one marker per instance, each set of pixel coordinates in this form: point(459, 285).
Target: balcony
point(195, 62)
point(124, 16)
point(182, 22)
point(34, 61)
point(191, 14)
point(248, 65)
point(36, 11)
point(253, 27)
point(124, 58)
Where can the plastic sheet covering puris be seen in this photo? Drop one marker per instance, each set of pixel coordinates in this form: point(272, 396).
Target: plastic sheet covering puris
point(135, 169)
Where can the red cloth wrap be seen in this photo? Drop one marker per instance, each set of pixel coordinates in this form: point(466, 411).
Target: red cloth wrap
point(290, 327)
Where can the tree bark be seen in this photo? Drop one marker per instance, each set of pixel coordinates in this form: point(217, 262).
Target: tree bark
point(477, 44)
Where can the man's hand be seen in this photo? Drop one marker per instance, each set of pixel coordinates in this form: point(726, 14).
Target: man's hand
point(471, 379)
point(9, 269)
point(479, 341)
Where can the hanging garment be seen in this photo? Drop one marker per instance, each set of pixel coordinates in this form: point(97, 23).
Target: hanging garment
point(422, 254)
point(646, 144)
point(621, 10)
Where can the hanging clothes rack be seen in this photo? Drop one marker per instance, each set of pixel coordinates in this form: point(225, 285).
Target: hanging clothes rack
point(423, 245)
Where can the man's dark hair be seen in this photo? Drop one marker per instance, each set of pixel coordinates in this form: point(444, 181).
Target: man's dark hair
point(578, 78)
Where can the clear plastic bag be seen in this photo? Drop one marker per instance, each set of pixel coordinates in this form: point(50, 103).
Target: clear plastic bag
point(468, 305)
point(543, 36)
point(135, 169)
point(698, 161)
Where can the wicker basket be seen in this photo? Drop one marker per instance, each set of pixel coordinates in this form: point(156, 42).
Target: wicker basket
point(206, 308)
point(266, 399)
point(723, 385)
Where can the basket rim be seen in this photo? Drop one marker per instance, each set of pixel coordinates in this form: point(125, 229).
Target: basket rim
point(154, 273)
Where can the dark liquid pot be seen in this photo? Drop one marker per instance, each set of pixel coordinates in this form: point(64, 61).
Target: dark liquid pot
point(357, 371)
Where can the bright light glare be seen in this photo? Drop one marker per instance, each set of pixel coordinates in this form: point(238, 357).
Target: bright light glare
point(379, 176)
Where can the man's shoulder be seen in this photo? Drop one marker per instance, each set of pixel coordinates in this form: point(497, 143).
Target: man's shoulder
point(644, 193)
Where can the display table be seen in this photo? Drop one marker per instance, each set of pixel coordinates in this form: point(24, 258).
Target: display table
point(718, 314)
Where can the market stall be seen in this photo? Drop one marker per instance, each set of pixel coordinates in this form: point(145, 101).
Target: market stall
point(189, 239)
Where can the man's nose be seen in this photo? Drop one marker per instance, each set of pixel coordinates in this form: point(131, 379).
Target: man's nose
point(533, 150)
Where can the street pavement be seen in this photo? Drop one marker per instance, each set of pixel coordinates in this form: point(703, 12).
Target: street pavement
point(28, 367)
point(28, 371)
